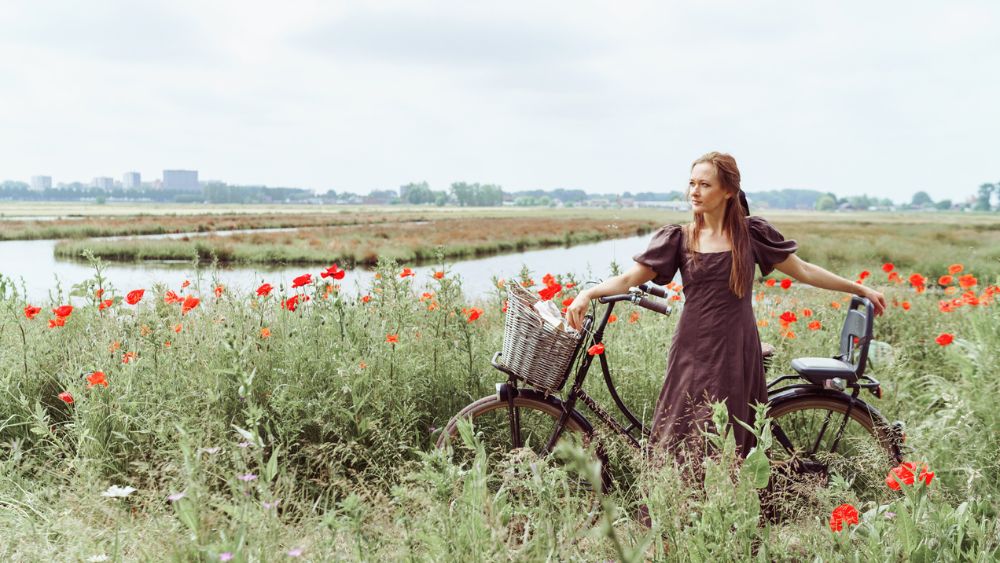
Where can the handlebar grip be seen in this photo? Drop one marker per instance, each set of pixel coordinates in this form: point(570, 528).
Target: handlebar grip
point(660, 308)
point(653, 290)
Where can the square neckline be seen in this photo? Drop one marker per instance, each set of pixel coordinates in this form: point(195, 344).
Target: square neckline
point(684, 235)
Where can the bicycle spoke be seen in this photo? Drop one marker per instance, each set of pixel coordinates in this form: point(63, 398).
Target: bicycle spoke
point(822, 430)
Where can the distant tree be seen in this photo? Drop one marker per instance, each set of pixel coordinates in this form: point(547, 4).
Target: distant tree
point(826, 203)
point(983, 199)
point(462, 193)
point(861, 201)
point(944, 204)
point(921, 199)
point(416, 194)
point(477, 194)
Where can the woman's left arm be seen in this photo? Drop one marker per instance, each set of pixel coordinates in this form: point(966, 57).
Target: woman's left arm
point(816, 276)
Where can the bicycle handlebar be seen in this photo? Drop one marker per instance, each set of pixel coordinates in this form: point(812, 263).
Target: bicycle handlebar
point(637, 296)
point(653, 290)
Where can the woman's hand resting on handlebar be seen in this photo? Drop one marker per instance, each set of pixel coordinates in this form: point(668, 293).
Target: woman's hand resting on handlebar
point(577, 309)
point(877, 299)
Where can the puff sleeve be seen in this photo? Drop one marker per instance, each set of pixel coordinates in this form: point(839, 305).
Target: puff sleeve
point(662, 254)
point(769, 246)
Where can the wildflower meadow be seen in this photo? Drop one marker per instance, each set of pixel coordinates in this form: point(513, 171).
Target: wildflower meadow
point(192, 421)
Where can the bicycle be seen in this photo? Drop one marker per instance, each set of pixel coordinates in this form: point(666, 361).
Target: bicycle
point(801, 406)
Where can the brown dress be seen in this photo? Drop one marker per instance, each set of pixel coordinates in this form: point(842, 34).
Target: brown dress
point(715, 353)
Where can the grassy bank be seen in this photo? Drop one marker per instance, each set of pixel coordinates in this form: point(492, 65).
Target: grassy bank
point(312, 439)
point(843, 243)
point(412, 241)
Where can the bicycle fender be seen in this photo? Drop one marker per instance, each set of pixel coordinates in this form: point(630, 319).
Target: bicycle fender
point(799, 391)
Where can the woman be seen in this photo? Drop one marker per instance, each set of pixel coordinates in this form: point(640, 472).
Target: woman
point(715, 353)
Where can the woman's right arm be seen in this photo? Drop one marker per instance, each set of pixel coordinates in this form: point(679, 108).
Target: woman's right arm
point(638, 274)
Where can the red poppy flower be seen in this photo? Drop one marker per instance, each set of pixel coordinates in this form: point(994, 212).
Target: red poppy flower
point(887, 267)
point(770, 282)
point(864, 274)
point(596, 349)
point(675, 298)
point(474, 313)
point(63, 311)
point(917, 280)
point(171, 297)
point(835, 304)
point(265, 332)
point(570, 285)
point(66, 397)
point(567, 302)
point(31, 312)
point(807, 312)
point(550, 291)
point(612, 318)
point(190, 302)
point(218, 290)
point(58, 321)
point(789, 334)
point(264, 290)
point(134, 296)
point(98, 293)
point(105, 304)
point(955, 268)
point(392, 338)
point(789, 317)
point(128, 357)
point(304, 279)
point(407, 273)
point(945, 280)
point(334, 272)
point(178, 328)
point(504, 308)
point(634, 317)
point(967, 281)
point(438, 275)
point(291, 303)
point(96, 378)
point(894, 277)
point(843, 514)
point(185, 284)
point(945, 339)
point(815, 325)
point(905, 305)
point(366, 298)
point(547, 279)
point(904, 474)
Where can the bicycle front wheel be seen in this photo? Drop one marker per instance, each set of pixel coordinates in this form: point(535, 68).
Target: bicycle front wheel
point(524, 429)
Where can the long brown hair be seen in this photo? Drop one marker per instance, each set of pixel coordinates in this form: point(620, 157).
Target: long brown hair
point(733, 221)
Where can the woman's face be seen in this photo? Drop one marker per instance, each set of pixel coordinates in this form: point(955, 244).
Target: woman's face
point(704, 190)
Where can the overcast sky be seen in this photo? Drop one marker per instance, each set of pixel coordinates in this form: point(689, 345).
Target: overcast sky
point(883, 98)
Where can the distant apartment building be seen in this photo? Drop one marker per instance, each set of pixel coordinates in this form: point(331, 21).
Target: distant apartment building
point(40, 183)
point(103, 182)
point(181, 180)
point(131, 180)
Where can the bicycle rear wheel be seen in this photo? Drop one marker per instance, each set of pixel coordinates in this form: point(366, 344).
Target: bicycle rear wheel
point(817, 437)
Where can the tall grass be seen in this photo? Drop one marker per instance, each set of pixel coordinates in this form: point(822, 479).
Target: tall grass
point(319, 436)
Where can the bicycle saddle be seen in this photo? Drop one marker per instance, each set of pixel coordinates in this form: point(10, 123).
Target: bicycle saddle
point(817, 370)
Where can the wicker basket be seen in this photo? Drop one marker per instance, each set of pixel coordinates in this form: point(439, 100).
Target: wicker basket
point(536, 352)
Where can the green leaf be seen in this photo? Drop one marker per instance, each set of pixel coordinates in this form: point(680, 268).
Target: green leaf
point(756, 468)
